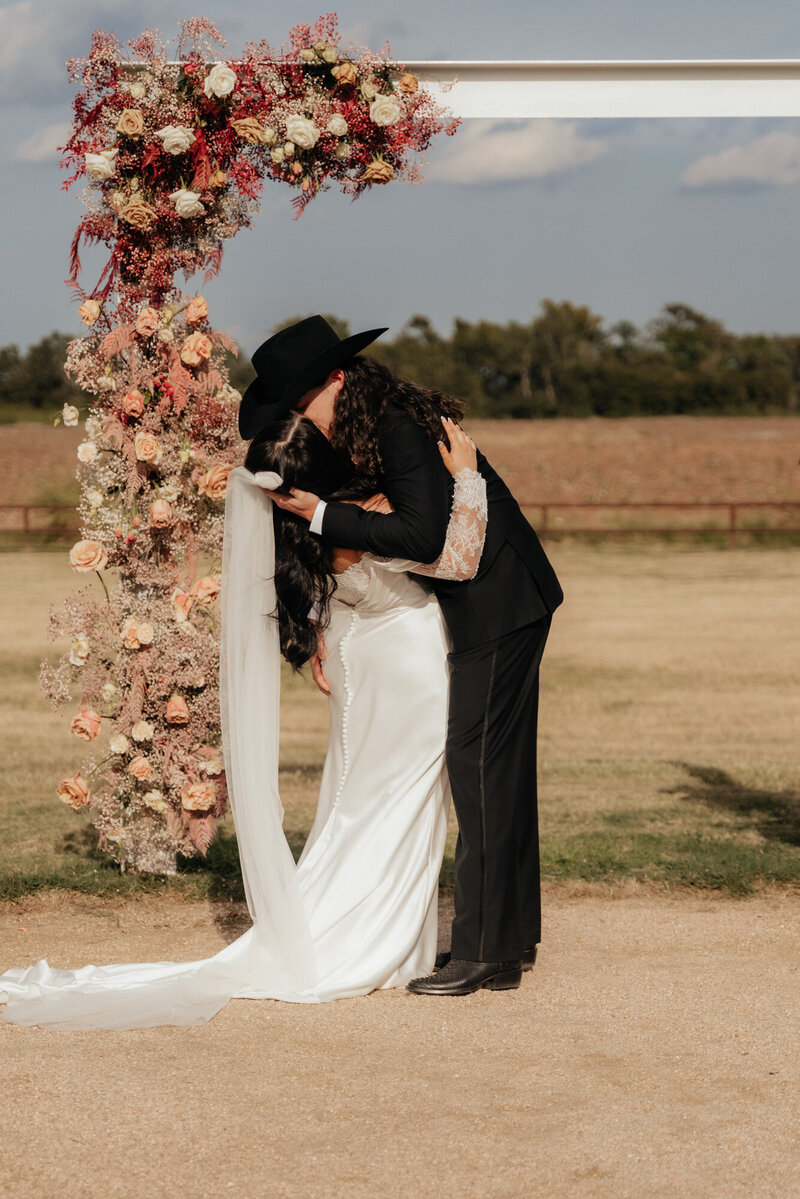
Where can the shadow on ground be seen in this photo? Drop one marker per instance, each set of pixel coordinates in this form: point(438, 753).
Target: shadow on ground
point(774, 814)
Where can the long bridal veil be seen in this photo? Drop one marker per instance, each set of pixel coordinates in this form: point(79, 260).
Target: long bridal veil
point(274, 958)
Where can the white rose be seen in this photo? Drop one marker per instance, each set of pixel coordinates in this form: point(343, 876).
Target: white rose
point(170, 492)
point(69, 415)
point(108, 692)
point(166, 335)
point(308, 55)
point(342, 150)
point(302, 132)
point(337, 125)
point(176, 139)
point(329, 55)
point(137, 89)
point(101, 166)
point(369, 91)
point(79, 650)
point(270, 135)
point(385, 110)
point(187, 203)
point(118, 744)
point(277, 155)
point(94, 497)
point(105, 383)
point(87, 451)
point(142, 731)
point(220, 81)
point(155, 800)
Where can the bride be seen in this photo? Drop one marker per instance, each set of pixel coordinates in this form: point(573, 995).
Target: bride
point(359, 909)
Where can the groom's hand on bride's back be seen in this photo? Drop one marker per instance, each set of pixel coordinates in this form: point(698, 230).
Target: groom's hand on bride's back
point(301, 503)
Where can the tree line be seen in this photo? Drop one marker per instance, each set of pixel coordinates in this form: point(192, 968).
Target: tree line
point(564, 362)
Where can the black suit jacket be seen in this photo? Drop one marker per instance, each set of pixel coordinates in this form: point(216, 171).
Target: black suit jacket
point(515, 583)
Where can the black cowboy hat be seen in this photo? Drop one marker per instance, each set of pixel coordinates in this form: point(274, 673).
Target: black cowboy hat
point(289, 364)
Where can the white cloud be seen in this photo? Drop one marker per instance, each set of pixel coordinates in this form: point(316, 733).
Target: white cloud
point(773, 159)
point(43, 144)
point(498, 151)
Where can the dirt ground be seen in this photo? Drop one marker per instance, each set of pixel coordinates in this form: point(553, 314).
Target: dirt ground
point(651, 1052)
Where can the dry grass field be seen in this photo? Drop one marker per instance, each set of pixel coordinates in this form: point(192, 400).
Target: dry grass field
point(668, 732)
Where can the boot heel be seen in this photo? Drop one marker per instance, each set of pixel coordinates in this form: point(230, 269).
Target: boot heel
point(507, 981)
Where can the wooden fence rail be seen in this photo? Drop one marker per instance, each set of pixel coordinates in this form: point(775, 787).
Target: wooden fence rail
point(544, 517)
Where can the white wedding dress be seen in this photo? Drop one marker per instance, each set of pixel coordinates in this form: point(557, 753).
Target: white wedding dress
point(359, 910)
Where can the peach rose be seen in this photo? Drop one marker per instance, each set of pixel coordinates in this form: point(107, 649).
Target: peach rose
point(86, 724)
point(378, 171)
point(119, 744)
point(218, 179)
point(181, 605)
point(147, 448)
point(87, 555)
point(250, 130)
point(409, 84)
point(214, 481)
point(155, 800)
point(160, 515)
point(147, 322)
point(196, 349)
point(74, 791)
point(142, 731)
point(177, 710)
point(137, 213)
point(206, 589)
point(346, 74)
point(131, 122)
point(130, 633)
point(89, 311)
point(199, 797)
point(197, 310)
point(140, 768)
point(133, 403)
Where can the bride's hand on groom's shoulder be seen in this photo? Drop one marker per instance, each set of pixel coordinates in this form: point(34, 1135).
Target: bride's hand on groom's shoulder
point(462, 454)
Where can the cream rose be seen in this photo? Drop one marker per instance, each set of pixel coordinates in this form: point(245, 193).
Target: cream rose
point(181, 605)
point(337, 125)
point(160, 515)
point(105, 383)
point(206, 589)
point(379, 171)
point(166, 336)
point(101, 166)
point(385, 110)
point(155, 800)
point(147, 322)
point(346, 74)
point(142, 731)
point(217, 179)
point(87, 555)
point(197, 310)
point(176, 139)
point(87, 451)
point(79, 650)
point(131, 122)
point(199, 797)
point(177, 710)
point(140, 768)
point(94, 497)
point(89, 311)
point(137, 89)
point(187, 203)
point(147, 448)
point(196, 349)
point(74, 791)
point(210, 760)
point(277, 155)
point(145, 632)
point(214, 482)
point(302, 132)
point(119, 744)
point(220, 80)
point(86, 724)
point(69, 415)
point(133, 403)
point(109, 692)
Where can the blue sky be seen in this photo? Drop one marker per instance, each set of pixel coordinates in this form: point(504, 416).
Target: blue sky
point(621, 215)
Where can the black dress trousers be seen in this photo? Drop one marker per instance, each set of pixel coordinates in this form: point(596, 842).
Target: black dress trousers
point(491, 760)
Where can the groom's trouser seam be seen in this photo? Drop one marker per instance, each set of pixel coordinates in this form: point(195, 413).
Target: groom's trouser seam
point(481, 775)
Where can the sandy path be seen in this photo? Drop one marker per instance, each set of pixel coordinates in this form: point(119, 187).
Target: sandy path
point(652, 1052)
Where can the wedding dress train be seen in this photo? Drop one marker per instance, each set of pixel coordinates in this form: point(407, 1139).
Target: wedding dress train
point(359, 910)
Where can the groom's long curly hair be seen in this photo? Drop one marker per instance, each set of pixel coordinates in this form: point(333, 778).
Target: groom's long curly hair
point(304, 458)
point(368, 388)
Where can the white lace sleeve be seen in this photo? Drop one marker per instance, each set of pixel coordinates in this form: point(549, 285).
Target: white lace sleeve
point(466, 533)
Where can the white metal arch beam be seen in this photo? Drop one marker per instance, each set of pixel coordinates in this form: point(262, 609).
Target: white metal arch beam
point(613, 89)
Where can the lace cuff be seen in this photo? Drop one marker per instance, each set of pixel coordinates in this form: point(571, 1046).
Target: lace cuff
point(466, 532)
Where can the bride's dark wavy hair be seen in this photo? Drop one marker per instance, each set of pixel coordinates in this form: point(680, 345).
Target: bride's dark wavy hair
point(368, 388)
point(304, 458)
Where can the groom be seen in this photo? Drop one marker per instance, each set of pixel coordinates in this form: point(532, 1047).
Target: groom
point(498, 624)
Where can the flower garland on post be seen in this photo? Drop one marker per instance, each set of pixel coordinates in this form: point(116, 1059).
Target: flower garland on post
point(175, 154)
